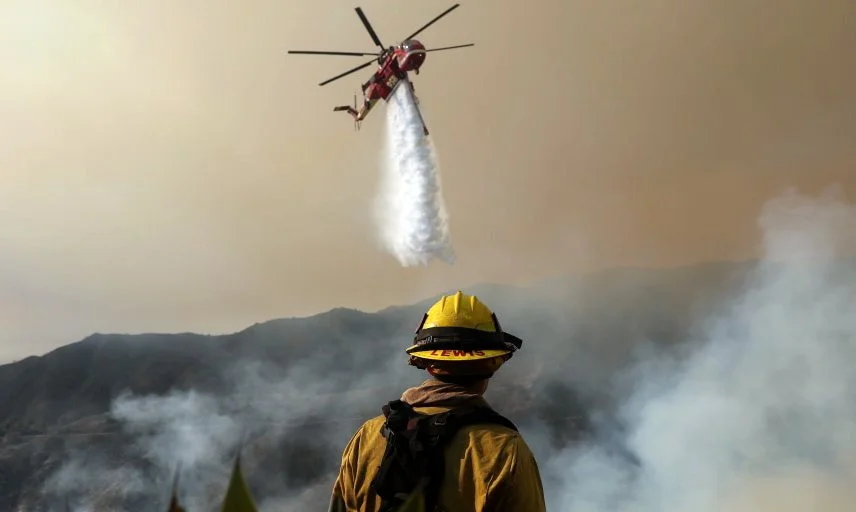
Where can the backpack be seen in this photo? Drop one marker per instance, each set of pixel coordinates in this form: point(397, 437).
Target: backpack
point(413, 463)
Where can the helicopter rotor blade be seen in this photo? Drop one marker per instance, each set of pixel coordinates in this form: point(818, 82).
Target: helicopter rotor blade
point(447, 11)
point(369, 27)
point(449, 47)
point(315, 52)
point(346, 73)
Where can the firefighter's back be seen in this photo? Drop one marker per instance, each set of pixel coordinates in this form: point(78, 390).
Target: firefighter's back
point(488, 467)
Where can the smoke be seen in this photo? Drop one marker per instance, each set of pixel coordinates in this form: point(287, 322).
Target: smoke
point(753, 411)
point(289, 423)
point(410, 211)
point(760, 414)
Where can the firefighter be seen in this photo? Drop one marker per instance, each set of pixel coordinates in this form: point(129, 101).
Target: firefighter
point(486, 464)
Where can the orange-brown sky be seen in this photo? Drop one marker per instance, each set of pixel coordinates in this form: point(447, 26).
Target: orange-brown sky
point(166, 166)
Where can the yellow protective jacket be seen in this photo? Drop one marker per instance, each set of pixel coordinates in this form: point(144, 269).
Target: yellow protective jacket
point(489, 468)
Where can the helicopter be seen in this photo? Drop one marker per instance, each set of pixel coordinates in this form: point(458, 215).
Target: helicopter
point(394, 63)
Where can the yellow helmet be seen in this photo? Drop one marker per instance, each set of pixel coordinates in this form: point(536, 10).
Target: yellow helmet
point(460, 329)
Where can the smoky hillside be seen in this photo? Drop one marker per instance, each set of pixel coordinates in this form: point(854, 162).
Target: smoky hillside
point(294, 389)
point(105, 422)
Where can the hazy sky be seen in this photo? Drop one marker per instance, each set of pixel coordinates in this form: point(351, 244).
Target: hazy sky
point(166, 166)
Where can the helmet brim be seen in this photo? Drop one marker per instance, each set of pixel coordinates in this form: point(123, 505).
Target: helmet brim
point(456, 355)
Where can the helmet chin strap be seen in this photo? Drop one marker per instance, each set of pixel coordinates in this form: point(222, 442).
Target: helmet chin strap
point(417, 362)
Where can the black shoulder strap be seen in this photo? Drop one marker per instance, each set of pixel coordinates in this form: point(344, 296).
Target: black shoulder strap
point(399, 471)
point(459, 418)
point(414, 455)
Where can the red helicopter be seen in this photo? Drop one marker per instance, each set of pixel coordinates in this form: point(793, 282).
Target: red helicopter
point(394, 63)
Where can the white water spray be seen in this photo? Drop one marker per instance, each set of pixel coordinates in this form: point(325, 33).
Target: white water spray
point(411, 214)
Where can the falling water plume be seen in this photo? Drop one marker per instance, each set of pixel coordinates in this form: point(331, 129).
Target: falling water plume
point(411, 215)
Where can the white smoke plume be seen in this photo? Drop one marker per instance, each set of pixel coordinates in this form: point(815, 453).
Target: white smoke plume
point(760, 415)
point(410, 212)
point(264, 410)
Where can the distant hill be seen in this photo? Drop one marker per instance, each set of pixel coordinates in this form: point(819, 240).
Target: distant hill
point(75, 422)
